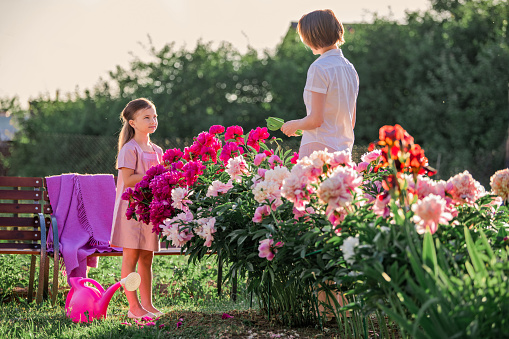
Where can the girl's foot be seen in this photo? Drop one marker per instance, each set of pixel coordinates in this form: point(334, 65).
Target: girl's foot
point(138, 313)
point(154, 311)
point(130, 315)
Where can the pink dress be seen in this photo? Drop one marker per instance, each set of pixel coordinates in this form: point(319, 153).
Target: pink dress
point(131, 233)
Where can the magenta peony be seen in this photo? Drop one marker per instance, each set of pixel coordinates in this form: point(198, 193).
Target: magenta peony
point(256, 136)
point(234, 134)
point(216, 129)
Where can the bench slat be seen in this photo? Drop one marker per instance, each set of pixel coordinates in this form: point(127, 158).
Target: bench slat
point(20, 208)
point(173, 251)
point(19, 235)
point(20, 195)
point(19, 222)
point(19, 251)
point(21, 181)
point(18, 246)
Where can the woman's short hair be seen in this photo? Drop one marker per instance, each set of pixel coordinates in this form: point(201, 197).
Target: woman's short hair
point(320, 29)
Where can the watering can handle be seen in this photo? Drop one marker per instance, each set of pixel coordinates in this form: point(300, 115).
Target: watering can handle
point(93, 282)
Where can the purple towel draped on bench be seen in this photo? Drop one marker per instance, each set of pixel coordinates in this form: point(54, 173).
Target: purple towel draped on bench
point(83, 207)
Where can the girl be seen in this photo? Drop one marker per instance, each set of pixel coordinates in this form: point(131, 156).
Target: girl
point(332, 85)
point(136, 155)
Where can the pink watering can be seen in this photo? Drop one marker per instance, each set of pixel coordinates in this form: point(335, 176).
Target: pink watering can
point(85, 303)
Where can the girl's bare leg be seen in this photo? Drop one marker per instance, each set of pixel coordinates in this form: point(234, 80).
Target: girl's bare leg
point(145, 271)
point(129, 259)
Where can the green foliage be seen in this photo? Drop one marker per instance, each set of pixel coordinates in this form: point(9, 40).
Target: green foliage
point(443, 74)
point(11, 279)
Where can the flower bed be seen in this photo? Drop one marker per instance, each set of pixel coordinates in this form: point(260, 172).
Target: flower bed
point(395, 241)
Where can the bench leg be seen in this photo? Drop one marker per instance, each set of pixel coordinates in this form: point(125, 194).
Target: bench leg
point(42, 270)
point(31, 279)
point(55, 279)
point(46, 279)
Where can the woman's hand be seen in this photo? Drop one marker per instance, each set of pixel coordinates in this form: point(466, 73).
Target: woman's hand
point(290, 127)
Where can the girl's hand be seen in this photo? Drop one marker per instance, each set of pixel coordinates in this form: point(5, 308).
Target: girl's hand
point(290, 127)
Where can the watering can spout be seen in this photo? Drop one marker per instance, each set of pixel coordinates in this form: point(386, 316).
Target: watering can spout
point(130, 283)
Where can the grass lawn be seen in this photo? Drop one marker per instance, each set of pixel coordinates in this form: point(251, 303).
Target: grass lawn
point(186, 293)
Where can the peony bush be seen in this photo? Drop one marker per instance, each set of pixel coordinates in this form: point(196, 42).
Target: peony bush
point(324, 224)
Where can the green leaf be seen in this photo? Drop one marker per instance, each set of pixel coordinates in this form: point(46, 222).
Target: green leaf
point(429, 255)
point(477, 262)
point(241, 239)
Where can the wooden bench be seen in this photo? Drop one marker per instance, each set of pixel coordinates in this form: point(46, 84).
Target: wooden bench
point(24, 203)
point(24, 225)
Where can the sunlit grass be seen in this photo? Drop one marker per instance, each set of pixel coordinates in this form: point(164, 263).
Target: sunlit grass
point(179, 288)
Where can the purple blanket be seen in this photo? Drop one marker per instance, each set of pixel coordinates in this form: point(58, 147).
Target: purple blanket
point(83, 207)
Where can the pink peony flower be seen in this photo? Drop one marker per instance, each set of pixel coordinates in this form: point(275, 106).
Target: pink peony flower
point(218, 187)
point(342, 158)
point(499, 183)
point(463, 188)
point(381, 205)
point(266, 190)
point(175, 231)
point(274, 160)
point(260, 212)
point(236, 168)
point(426, 186)
point(206, 229)
point(179, 195)
point(429, 213)
point(261, 172)
point(265, 249)
point(362, 167)
point(278, 174)
point(297, 214)
point(337, 190)
point(371, 156)
point(336, 215)
point(259, 159)
point(295, 187)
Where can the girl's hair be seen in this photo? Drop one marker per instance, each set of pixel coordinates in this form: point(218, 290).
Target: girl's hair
point(321, 29)
point(129, 113)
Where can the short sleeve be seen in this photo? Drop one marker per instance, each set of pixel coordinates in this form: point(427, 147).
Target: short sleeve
point(317, 80)
point(159, 152)
point(127, 157)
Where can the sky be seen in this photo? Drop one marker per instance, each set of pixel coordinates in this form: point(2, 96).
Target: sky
point(50, 45)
